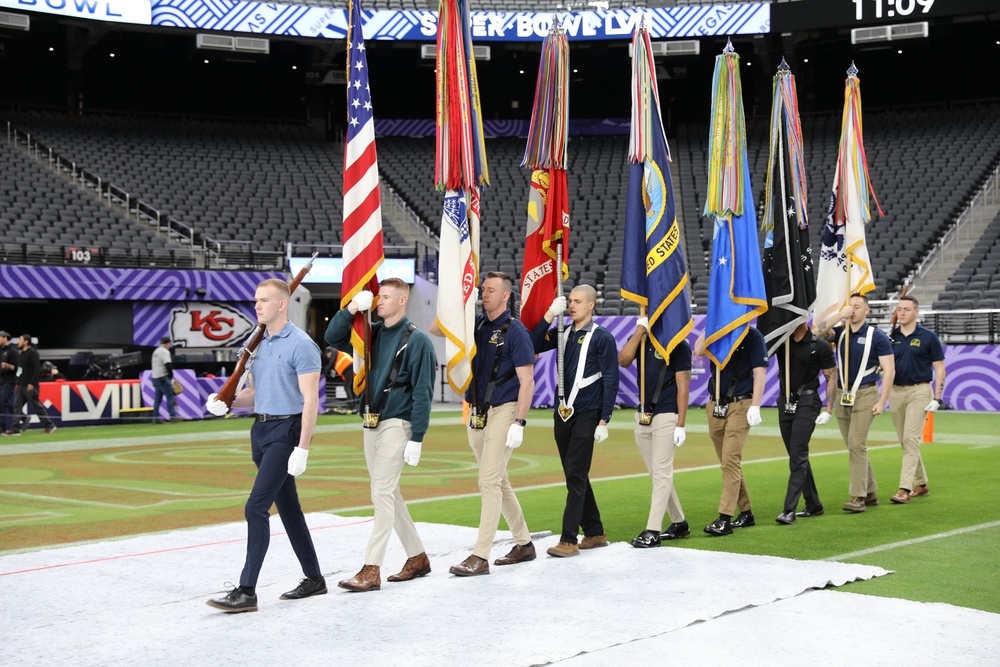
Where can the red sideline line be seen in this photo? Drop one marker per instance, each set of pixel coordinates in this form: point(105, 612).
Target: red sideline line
point(163, 551)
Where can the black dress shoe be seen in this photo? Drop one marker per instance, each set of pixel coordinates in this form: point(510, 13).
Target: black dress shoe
point(744, 520)
point(647, 539)
point(675, 531)
point(719, 527)
point(787, 518)
point(306, 588)
point(810, 512)
point(235, 601)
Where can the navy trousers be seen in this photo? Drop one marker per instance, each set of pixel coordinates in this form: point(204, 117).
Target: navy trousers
point(796, 431)
point(575, 440)
point(6, 406)
point(272, 444)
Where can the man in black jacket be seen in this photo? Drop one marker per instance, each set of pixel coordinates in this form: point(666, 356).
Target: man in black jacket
point(8, 374)
point(29, 368)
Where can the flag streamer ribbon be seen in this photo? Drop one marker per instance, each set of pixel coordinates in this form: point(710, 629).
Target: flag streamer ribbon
point(727, 139)
point(549, 128)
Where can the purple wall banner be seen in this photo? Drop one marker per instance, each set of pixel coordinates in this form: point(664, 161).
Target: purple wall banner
point(193, 323)
point(92, 283)
point(973, 373)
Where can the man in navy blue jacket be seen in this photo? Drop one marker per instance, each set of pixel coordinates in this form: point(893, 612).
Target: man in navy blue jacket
point(590, 368)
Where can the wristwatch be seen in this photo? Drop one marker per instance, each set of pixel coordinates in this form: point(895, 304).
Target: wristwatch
point(522, 422)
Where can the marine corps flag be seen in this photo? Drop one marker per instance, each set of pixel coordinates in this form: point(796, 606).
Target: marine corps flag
point(362, 239)
point(548, 231)
point(736, 293)
point(460, 170)
point(844, 265)
point(654, 273)
point(788, 268)
point(546, 256)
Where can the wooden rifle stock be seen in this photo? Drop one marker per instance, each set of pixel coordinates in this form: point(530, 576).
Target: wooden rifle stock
point(228, 392)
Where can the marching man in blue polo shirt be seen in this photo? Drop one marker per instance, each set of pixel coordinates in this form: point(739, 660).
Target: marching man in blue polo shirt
point(919, 359)
point(284, 394)
point(861, 351)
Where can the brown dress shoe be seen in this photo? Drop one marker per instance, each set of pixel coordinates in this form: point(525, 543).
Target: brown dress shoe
point(855, 505)
point(564, 550)
point(519, 554)
point(471, 567)
point(871, 500)
point(415, 566)
point(367, 579)
point(594, 542)
point(919, 490)
point(901, 498)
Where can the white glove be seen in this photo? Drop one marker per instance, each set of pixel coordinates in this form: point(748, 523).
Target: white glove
point(601, 433)
point(215, 406)
point(933, 405)
point(515, 436)
point(680, 435)
point(753, 415)
point(297, 461)
point(475, 294)
point(411, 453)
point(363, 300)
point(558, 306)
point(642, 322)
point(822, 418)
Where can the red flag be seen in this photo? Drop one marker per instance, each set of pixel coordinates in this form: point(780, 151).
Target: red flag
point(363, 251)
point(548, 228)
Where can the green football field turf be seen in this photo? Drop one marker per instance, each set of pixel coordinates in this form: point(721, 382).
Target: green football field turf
point(97, 483)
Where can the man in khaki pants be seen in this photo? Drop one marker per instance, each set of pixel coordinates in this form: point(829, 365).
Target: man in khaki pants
point(919, 359)
point(861, 350)
point(500, 395)
point(396, 417)
point(732, 410)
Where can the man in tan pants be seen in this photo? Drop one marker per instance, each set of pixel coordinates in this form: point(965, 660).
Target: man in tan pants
point(396, 416)
point(500, 395)
point(919, 359)
point(861, 350)
point(735, 394)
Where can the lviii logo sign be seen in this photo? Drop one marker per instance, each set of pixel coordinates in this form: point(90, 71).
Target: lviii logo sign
point(208, 324)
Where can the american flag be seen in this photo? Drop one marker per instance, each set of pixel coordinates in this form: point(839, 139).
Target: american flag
point(363, 251)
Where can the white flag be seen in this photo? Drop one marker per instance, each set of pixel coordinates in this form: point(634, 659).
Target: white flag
point(458, 275)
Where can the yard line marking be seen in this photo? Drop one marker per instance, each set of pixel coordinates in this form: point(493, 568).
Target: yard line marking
point(915, 540)
point(160, 551)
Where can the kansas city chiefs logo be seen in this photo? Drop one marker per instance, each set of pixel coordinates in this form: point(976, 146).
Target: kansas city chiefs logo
point(208, 324)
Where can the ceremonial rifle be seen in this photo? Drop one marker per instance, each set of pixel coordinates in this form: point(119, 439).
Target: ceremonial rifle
point(892, 320)
point(228, 392)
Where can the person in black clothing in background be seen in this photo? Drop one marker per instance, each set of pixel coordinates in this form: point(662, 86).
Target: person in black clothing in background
point(8, 374)
point(800, 411)
point(29, 369)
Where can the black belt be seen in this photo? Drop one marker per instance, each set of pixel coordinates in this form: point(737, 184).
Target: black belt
point(273, 418)
point(807, 392)
point(915, 384)
point(741, 397)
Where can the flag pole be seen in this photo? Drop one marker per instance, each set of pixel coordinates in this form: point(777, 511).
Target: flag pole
point(561, 341)
point(642, 362)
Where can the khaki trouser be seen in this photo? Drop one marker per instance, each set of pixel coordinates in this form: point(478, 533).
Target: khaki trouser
point(729, 435)
point(855, 422)
point(492, 453)
point(384, 455)
point(908, 416)
point(656, 446)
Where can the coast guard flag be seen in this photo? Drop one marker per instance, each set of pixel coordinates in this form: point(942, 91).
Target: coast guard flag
point(654, 273)
point(363, 250)
point(457, 275)
point(844, 235)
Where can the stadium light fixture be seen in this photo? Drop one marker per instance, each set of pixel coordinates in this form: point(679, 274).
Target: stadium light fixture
point(15, 21)
point(890, 33)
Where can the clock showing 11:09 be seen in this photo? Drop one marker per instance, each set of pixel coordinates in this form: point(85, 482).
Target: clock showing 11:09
point(868, 9)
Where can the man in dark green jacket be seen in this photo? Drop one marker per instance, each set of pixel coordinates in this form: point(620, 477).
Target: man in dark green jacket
point(396, 414)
